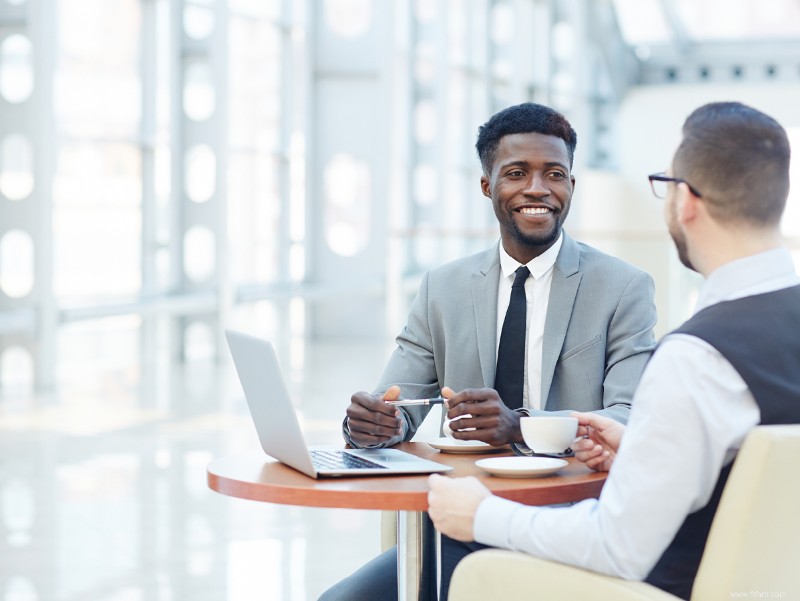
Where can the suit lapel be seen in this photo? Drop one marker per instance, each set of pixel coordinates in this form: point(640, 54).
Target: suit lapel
point(484, 300)
point(563, 289)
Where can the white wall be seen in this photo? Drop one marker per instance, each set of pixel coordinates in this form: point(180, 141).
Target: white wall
point(617, 211)
point(650, 119)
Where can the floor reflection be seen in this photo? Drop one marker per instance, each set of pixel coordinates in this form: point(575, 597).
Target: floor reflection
point(103, 495)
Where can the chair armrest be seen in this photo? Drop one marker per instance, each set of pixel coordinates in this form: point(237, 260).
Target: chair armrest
point(496, 574)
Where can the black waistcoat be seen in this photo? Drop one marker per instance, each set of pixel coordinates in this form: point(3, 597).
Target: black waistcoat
point(760, 337)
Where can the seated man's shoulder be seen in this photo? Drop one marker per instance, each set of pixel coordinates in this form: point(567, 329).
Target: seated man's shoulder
point(465, 266)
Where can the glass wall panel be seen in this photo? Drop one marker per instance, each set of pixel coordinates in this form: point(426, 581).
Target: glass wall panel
point(16, 167)
point(97, 80)
point(254, 217)
point(97, 220)
point(257, 161)
point(16, 68)
point(255, 84)
point(97, 184)
point(16, 263)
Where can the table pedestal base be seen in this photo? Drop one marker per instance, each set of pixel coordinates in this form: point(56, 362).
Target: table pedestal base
point(410, 541)
point(413, 534)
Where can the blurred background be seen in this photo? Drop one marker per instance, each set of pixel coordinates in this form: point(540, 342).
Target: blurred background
point(290, 168)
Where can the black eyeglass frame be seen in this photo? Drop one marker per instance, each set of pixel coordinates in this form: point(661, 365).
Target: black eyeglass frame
point(663, 177)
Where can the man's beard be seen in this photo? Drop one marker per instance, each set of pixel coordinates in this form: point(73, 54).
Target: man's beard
point(679, 239)
point(538, 239)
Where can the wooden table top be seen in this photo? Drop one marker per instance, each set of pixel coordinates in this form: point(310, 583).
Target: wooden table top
point(258, 477)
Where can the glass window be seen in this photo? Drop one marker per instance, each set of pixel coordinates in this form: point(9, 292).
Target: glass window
point(198, 19)
point(200, 173)
point(16, 371)
point(254, 217)
point(255, 84)
point(97, 184)
point(257, 157)
point(199, 341)
point(97, 194)
point(18, 510)
point(16, 167)
point(645, 22)
point(425, 122)
point(347, 204)
point(16, 263)
point(199, 97)
point(85, 348)
point(502, 23)
point(425, 184)
point(16, 68)
point(256, 8)
point(21, 587)
point(199, 253)
point(97, 87)
point(425, 10)
point(458, 42)
point(348, 18)
point(425, 63)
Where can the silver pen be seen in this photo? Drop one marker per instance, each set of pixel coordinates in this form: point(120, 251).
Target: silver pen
point(410, 402)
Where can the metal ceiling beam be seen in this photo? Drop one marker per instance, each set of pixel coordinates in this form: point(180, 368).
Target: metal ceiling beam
point(616, 55)
point(722, 61)
point(680, 38)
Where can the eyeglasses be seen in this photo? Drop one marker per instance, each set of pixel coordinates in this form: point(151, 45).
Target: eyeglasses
point(659, 181)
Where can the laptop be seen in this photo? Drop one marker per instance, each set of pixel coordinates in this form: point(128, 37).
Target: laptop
point(279, 431)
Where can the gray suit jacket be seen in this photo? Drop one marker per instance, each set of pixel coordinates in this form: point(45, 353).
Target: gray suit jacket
point(598, 333)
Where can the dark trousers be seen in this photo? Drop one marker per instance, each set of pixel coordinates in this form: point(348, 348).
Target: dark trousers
point(377, 580)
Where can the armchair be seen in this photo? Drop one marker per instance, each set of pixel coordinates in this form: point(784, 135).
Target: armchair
point(752, 546)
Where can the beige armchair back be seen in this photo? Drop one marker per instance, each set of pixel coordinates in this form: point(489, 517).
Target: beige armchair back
point(753, 546)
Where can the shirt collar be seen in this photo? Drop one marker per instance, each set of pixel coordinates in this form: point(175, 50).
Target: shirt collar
point(538, 266)
point(755, 274)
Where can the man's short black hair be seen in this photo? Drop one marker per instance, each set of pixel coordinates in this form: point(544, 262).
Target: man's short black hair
point(524, 118)
point(738, 158)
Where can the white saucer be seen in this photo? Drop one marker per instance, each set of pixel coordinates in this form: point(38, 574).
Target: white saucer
point(451, 445)
point(521, 467)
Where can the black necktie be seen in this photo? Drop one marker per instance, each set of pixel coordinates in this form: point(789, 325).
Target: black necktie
point(510, 373)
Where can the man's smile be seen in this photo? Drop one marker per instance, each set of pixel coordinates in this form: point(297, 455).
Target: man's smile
point(534, 210)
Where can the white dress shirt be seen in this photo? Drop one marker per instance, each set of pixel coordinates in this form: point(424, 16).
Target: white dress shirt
point(537, 294)
point(691, 413)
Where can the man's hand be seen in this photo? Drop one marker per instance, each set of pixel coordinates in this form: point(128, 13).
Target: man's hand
point(371, 420)
point(452, 503)
point(485, 416)
point(600, 446)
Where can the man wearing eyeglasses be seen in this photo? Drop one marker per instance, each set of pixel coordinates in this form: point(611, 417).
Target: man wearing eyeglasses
point(733, 365)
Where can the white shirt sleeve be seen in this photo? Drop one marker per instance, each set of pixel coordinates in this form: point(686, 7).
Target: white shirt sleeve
point(690, 415)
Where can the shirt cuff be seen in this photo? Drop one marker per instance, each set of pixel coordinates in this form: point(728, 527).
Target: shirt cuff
point(492, 520)
point(389, 443)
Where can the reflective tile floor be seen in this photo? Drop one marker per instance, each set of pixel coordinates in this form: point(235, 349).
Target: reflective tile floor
point(103, 492)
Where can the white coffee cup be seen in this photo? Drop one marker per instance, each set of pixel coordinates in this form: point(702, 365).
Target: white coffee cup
point(549, 434)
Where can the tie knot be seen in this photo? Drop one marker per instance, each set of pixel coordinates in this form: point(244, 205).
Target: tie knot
point(522, 275)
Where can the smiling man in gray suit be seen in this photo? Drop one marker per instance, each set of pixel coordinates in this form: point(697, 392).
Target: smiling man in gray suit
point(587, 319)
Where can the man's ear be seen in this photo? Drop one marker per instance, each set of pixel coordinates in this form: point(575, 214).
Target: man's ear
point(486, 186)
point(687, 204)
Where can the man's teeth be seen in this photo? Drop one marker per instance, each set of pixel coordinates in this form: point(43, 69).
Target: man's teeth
point(534, 210)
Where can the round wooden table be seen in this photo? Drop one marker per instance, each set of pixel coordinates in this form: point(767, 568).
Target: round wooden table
point(258, 477)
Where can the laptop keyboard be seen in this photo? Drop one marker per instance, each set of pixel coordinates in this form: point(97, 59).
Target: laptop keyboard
point(337, 460)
